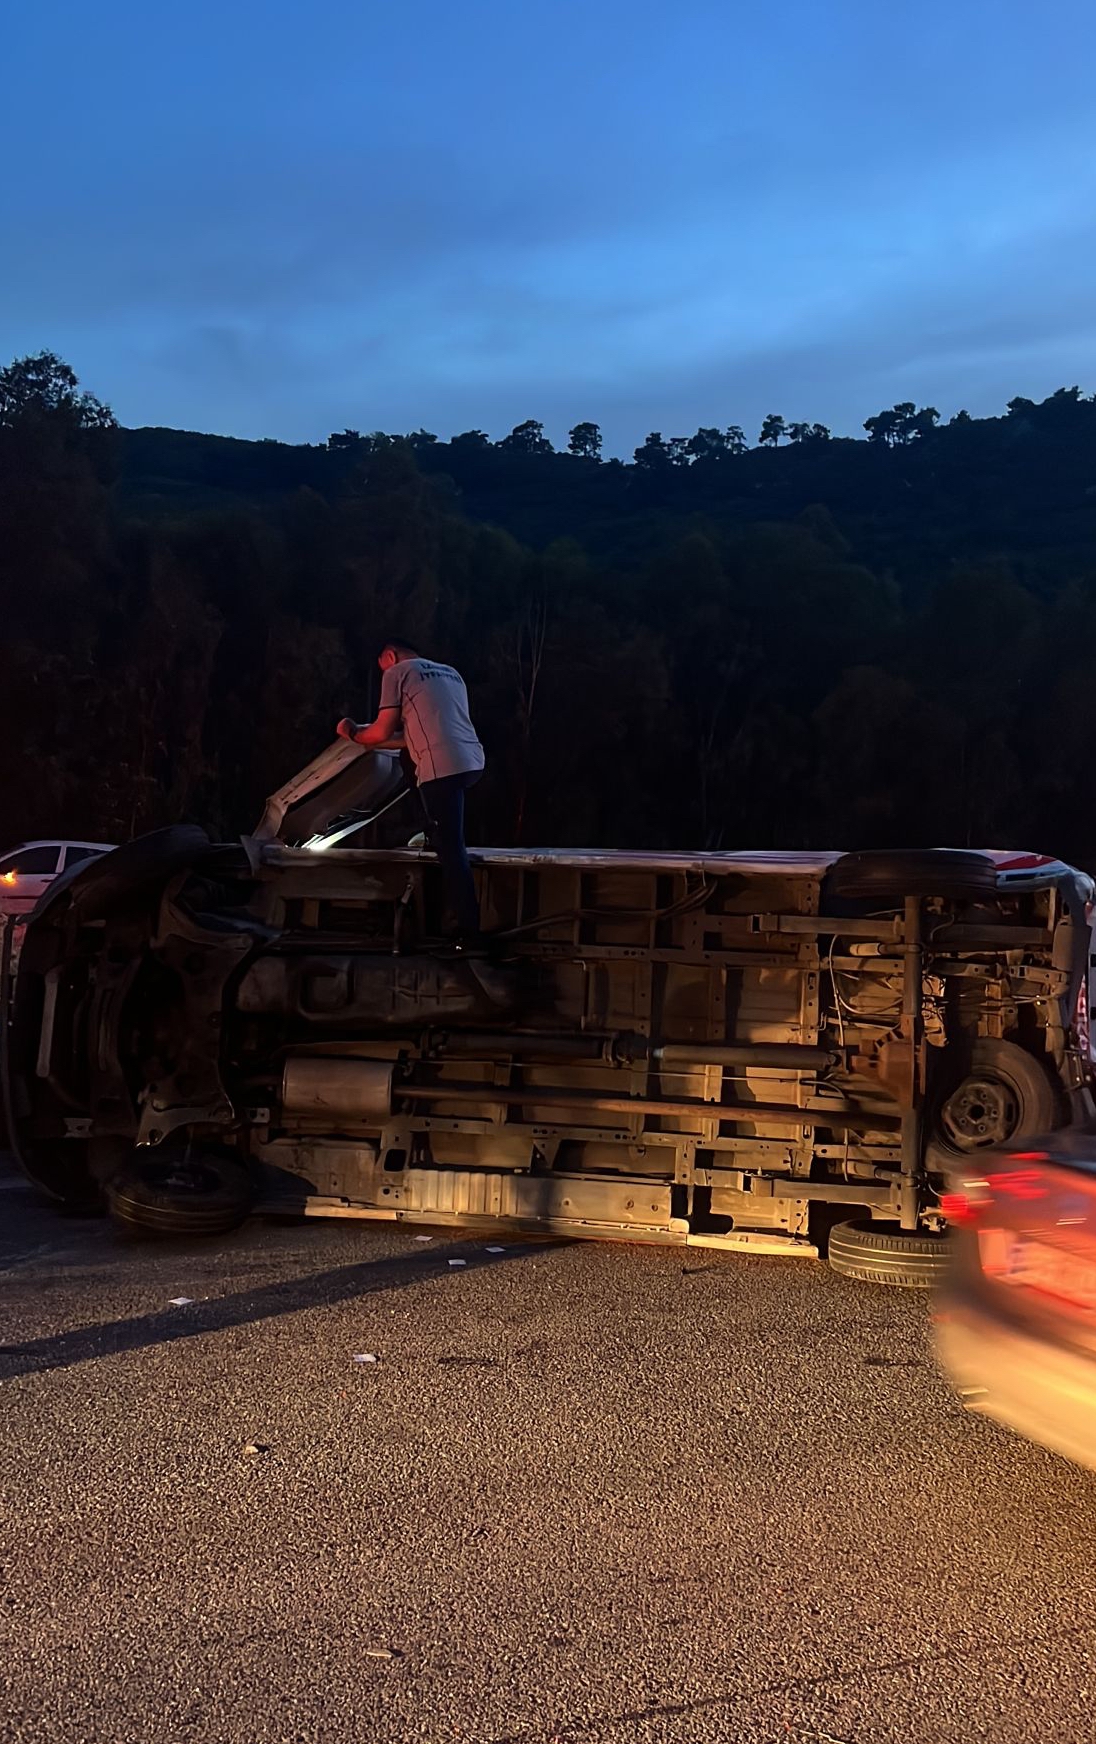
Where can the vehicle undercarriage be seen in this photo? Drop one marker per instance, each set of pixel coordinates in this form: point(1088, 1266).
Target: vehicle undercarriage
point(734, 1050)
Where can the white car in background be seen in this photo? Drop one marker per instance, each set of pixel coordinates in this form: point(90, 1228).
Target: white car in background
point(29, 869)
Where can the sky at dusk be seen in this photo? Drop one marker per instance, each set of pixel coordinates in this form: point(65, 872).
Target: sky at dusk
point(279, 219)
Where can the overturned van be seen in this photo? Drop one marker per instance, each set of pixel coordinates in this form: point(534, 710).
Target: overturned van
point(783, 1053)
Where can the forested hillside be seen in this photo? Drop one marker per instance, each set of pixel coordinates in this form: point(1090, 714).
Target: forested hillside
point(811, 641)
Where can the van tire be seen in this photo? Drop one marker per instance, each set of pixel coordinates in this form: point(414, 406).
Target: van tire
point(98, 885)
point(881, 1253)
point(890, 875)
point(997, 1095)
point(166, 1194)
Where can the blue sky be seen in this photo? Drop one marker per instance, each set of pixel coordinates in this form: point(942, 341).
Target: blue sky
point(278, 218)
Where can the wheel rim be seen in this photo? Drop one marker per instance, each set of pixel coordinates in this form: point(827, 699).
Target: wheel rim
point(982, 1111)
point(187, 1180)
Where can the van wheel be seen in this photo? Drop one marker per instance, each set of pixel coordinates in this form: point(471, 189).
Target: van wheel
point(881, 1253)
point(999, 1095)
point(174, 1194)
point(886, 875)
point(120, 875)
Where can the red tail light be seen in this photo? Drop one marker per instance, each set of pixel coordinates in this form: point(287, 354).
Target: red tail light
point(958, 1208)
point(969, 1198)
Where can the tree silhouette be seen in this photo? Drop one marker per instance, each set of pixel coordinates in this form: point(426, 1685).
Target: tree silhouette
point(707, 444)
point(653, 454)
point(585, 441)
point(43, 387)
point(1060, 411)
point(798, 432)
point(772, 430)
point(882, 429)
point(902, 424)
point(904, 413)
point(923, 422)
point(527, 438)
point(736, 440)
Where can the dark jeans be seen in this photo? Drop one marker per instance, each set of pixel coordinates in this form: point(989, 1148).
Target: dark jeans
point(443, 802)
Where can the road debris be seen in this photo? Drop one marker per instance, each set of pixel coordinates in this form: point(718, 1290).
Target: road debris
point(458, 1262)
point(180, 1301)
point(367, 1356)
point(424, 1238)
point(254, 1448)
point(382, 1653)
point(496, 1250)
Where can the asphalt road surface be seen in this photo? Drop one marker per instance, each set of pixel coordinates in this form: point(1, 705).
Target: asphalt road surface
point(585, 1493)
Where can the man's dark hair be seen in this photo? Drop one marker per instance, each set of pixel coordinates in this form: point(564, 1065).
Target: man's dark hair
point(398, 645)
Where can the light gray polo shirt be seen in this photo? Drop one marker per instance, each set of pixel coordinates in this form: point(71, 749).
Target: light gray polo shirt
point(433, 704)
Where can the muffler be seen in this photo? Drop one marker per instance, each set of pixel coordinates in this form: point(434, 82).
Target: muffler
point(319, 1089)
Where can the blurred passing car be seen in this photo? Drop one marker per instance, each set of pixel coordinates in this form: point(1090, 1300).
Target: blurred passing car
point(28, 870)
point(1016, 1320)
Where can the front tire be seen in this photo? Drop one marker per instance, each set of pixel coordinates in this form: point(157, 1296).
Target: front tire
point(881, 1253)
point(167, 1194)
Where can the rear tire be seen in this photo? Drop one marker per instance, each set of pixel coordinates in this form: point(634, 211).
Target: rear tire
point(890, 875)
point(168, 1194)
point(881, 1253)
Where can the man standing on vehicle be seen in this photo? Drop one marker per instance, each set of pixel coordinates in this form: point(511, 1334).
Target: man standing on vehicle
point(427, 704)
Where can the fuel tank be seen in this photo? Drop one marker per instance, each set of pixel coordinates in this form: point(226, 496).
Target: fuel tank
point(375, 989)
